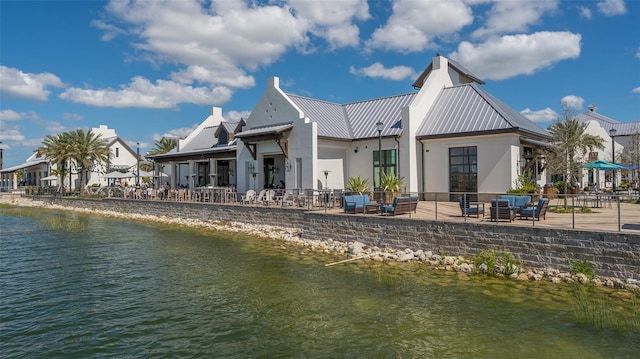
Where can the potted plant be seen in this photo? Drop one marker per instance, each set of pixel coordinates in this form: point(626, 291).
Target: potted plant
point(391, 184)
point(357, 185)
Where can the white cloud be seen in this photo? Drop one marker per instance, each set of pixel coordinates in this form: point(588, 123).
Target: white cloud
point(11, 115)
point(413, 25)
point(636, 90)
point(572, 102)
point(585, 12)
point(503, 57)
point(73, 116)
point(18, 84)
point(11, 133)
point(110, 31)
point(612, 7)
point(227, 37)
point(544, 115)
point(232, 77)
point(235, 116)
point(515, 16)
point(638, 53)
point(182, 132)
point(378, 70)
point(332, 20)
point(140, 92)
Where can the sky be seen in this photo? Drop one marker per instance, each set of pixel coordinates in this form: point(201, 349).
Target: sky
point(150, 69)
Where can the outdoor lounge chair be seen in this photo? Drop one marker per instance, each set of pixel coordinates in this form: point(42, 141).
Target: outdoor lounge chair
point(540, 210)
point(356, 203)
point(248, 197)
point(400, 205)
point(467, 210)
point(500, 209)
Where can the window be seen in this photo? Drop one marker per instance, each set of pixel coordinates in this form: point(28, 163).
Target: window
point(463, 170)
point(117, 152)
point(222, 167)
point(223, 138)
point(388, 165)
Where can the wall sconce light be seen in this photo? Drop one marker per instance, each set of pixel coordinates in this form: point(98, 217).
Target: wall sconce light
point(355, 149)
point(287, 165)
point(230, 171)
point(276, 168)
point(251, 167)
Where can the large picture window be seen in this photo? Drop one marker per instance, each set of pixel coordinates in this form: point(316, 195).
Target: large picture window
point(463, 170)
point(388, 165)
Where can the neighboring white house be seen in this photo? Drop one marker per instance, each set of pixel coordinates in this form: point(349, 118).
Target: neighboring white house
point(206, 157)
point(450, 136)
point(37, 170)
point(625, 140)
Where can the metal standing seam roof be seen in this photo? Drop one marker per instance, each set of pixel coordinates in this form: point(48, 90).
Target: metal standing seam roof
point(364, 115)
point(355, 120)
point(36, 162)
point(330, 117)
point(205, 139)
point(469, 109)
point(265, 130)
point(622, 128)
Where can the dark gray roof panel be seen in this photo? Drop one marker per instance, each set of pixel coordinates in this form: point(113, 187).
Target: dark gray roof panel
point(230, 127)
point(205, 139)
point(469, 109)
point(265, 130)
point(330, 117)
point(355, 120)
point(364, 115)
point(622, 128)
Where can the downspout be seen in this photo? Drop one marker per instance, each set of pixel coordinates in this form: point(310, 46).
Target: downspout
point(398, 149)
point(422, 168)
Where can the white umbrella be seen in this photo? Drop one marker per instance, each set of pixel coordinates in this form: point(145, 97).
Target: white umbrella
point(149, 174)
point(49, 178)
point(116, 174)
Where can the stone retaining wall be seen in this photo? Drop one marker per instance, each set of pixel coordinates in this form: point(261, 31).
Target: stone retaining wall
point(613, 254)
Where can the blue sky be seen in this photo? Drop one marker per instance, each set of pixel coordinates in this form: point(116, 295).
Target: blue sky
point(154, 68)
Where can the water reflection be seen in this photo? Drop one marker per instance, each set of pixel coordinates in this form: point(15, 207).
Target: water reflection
point(137, 289)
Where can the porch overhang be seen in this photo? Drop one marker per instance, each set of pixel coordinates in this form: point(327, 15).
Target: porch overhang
point(277, 133)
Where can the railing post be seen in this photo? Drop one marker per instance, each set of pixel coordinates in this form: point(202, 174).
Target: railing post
point(619, 220)
point(573, 212)
point(436, 199)
point(464, 206)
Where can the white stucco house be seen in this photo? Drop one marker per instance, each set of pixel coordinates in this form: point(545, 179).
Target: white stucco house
point(36, 171)
point(446, 136)
point(206, 157)
point(621, 139)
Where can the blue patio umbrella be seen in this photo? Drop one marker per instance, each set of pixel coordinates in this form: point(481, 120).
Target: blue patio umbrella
point(603, 165)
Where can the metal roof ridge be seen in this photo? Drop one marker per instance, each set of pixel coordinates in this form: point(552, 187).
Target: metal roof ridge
point(381, 98)
point(314, 99)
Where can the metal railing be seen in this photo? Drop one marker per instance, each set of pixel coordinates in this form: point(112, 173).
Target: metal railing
point(437, 206)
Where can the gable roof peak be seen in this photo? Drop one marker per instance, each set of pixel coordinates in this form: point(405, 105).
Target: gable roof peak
point(440, 62)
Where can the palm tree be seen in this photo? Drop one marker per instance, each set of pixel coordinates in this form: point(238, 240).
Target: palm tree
point(164, 145)
point(56, 148)
point(571, 146)
point(87, 149)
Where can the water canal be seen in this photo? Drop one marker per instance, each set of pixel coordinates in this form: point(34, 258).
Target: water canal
point(76, 286)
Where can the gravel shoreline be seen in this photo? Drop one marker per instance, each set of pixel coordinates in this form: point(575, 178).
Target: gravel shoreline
point(352, 250)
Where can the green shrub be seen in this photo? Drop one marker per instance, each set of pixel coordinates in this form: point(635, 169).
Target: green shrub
point(358, 184)
point(497, 262)
point(583, 266)
point(524, 184)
